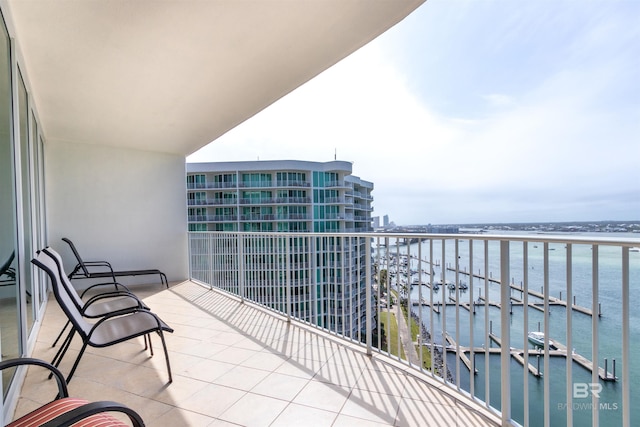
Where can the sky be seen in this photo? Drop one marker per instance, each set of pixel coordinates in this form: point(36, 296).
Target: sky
point(475, 111)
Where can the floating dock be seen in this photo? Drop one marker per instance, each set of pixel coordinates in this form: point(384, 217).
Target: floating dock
point(515, 301)
point(518, 355)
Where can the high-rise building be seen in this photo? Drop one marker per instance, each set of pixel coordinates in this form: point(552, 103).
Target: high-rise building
point(287, 195)
point(292, 196)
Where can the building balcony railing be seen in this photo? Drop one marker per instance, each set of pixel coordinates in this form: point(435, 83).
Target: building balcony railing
point(255, 184)
point(477, 304)
point(211, 202)
point(335, 184)
point(257, 217)
point(256, 201)
point(293, 200)
point(335, 200)
point(292, 216)
point(210, 185)
point(293, 183)
point(212, 218)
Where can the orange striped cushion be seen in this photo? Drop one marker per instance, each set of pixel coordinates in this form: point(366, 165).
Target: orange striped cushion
point(59, 407)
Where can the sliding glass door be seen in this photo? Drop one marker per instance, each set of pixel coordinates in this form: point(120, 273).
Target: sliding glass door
point(10, 334)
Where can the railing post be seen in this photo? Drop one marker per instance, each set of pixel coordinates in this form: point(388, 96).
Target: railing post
point(241, 267)
point(288, 277)
point(524, 286)
point(190, 254)
point(569, 327)
point(369, 313)
point(505, 323)
point(626, 360)
point(546, 386)
point(314, 314)
point(595, 265)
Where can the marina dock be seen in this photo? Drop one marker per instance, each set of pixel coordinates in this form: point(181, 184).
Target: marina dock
point(518, 355)
point(538, 305)
point(515, 301)
point(554, 301)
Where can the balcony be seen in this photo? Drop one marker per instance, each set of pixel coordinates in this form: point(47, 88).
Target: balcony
point(235, 362)
point(238, 362)
point(472, 301)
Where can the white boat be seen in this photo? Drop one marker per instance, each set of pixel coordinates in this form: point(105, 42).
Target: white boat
point(537, 339)
point(452, 286)
point(634, 249)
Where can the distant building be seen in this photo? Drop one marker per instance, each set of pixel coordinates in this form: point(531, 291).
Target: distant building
point(287, 196)
point(385, 221)
point(442, 229)
point(376, 222)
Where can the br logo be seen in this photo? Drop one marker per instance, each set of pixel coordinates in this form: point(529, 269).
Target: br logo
point(584, 390)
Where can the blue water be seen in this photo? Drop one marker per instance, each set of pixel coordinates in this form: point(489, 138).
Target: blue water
point(608, 325)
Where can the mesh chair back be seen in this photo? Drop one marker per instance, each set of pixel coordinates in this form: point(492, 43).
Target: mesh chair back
point(47, 263)
point(77, 255)
point(65, 281)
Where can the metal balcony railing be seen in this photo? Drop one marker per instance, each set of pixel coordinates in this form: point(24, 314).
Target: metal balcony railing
point(471, 306)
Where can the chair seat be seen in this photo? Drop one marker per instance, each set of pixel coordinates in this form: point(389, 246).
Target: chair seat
point(111, 305)
point(61, 406)
point(131, 325)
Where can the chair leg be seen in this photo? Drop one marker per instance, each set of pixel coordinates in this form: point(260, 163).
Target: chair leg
point(60, 334)
point(62, 350)
point(148, 336)
point(75, 364)
point(163, 279)
point(166, 355)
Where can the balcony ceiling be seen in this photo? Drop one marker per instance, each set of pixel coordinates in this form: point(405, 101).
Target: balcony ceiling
point(172, 76)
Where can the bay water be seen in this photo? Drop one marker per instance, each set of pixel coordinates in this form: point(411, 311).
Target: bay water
point(609, 324)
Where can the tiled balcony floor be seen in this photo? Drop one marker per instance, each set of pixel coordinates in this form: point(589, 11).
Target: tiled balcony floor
point(236, 364)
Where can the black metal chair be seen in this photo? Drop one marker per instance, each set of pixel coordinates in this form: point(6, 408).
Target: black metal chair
point(9, 274)
point(87, 269)
point(8, 271)
point(110, 329)
point(103, 303)
point(66, 411)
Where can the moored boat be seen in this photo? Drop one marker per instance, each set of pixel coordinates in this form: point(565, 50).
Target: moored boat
point(537, 339)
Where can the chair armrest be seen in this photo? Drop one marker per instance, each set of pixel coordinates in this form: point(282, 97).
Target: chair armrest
point(93, 408)
point(116, 285)
point(62, 384)
point(96, 266)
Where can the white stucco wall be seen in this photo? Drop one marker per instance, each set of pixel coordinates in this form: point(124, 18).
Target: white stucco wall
point(120, 205)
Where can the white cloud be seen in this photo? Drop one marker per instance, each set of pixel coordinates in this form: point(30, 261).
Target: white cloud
point(360, 108)
point(499, 100)
point(558, 148)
